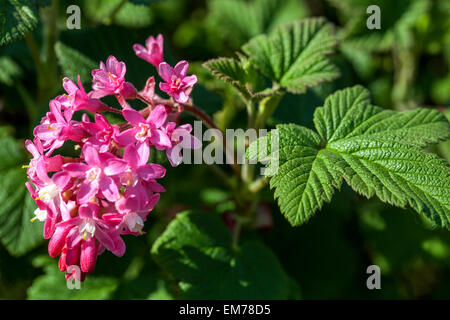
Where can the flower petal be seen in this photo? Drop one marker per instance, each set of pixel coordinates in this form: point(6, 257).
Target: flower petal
point(165, 71)
point(109, 188)
point(158, 116)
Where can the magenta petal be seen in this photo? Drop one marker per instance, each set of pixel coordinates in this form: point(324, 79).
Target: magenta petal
point(73, 256)
point(73, 238)
point(88, 256)
point(112, 217)
point(181, 68)
point(165, 71)
point(88, 211)
point(128, 91)
point(109, 188)
point(32, 148)
point(174, 155)
point(151, 171)
point(152, 201)
point(164, 87)
point(87, 191)
point(114, 167)
point(144, 152)
point(158, 116)
point(70, 87)
point(125, 137)
point(138, 48)
point(90, 155)
point(133, 117)
point(111, 64)
point(131, 156)
point(190, 81)
point(76, 169)
point(181, 97)
point(119, 246)
point(55, 109)
point(104, 239)
point(133, 203)
point(56, 243)
point(160, 139)
point(160, 40)
point(61, 179)
point(41, 172)
point(49, 227)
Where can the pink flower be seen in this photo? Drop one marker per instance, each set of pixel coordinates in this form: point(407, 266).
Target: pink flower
point(153, 50)
point(178, 85)
point(181, 138)
point(55, 128)
point(145, 130)
point(77, 99)
point(43, 213)
point(102, 132)
point(110, 79)
point(132, 220)
point(75, 239)
point(48, 193)
point(98, 174)
point(37, 151)
point(137, 167)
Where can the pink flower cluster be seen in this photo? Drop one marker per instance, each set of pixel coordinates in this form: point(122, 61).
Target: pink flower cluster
point(87, 203)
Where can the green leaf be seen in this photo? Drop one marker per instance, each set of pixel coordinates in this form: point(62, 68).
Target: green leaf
point(239, 20)
point(17, 17)
point(74, 63)
point(53, 286)
point(128, 15)
point(143, 2)
point(17, 233)
point(294, 55)
point(377, 152)
point(196, 251)
point(9, 70)
point(244, 77)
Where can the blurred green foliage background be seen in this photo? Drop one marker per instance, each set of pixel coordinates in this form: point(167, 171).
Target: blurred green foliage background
point(405, 65)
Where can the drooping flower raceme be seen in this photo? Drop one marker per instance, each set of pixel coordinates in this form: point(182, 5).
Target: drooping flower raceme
point(88, 202)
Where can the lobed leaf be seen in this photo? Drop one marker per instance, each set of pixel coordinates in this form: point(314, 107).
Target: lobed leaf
point(196, 251)
point(378, 152)
point(294, 55)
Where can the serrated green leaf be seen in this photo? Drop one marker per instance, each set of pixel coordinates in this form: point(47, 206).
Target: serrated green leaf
point(244, 78)
point(196, 251)
point(377, 152)
point(294, 55)
point(17, 233)
point(53, 286)
point(17, 17)
point(74, 63)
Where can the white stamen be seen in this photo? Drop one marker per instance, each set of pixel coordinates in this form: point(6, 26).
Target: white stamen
point(87, 229)
point(48, 193)
point(41, 215)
